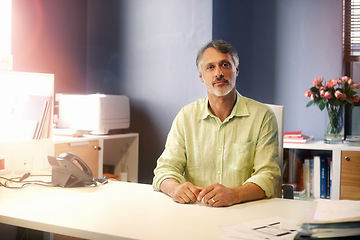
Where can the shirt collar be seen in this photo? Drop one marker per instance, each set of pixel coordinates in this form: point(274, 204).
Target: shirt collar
point(240, 109)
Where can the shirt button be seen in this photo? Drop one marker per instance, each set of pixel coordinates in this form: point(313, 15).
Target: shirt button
point(219, 172)
point(219, 149)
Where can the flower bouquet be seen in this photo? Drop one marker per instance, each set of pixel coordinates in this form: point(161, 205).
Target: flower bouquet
point(333, 95)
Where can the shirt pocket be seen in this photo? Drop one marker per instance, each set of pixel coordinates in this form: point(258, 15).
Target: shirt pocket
point(241, 156)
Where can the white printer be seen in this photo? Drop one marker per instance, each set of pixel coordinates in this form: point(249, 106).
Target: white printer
point(97, 113)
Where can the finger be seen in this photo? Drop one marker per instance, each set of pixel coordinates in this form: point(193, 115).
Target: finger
point(212, 201)
point(185, 198)
point(190, 193)
point(194, 192)
point(217, 204)
point(190, 196)
point(209, 197)
point(201, 195)
point(206, 194)
point(178, 199)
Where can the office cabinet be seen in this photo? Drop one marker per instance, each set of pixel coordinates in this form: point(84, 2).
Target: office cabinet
point(345, 182)
point(86, 150)
point(119, 151)
point(350, 177)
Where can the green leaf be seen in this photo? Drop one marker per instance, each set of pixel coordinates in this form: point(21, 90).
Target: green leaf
point(350, 102)
point(321, 105)
point(310, 103)
point(314, 89)
point(317, 100)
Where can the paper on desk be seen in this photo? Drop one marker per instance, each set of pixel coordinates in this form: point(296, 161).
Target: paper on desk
point(270, 228)
point(336, 210)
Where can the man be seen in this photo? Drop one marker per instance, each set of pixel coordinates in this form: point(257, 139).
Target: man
point(222, 149)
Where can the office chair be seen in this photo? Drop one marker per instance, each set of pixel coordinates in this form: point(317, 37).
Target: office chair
point(279, 114)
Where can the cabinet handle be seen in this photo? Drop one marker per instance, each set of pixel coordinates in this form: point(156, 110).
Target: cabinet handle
point(97, 148)
point(347, 158)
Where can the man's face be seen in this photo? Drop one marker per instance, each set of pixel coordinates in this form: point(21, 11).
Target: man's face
point(218, 72)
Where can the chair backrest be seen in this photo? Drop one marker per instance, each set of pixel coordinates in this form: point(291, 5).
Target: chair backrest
point(279, 114)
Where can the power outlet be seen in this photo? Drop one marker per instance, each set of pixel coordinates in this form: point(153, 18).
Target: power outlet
point(24, 163)
point(2, 163)
point(5, 164)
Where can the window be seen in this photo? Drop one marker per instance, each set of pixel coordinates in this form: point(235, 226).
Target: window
point(351, 43)
point(351, 37)
point(5, 27)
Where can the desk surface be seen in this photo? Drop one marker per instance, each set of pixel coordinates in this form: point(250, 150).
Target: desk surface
point(120, 210)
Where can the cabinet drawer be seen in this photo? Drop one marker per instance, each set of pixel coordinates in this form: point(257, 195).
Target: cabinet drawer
point(88, 151)
point(350, 177)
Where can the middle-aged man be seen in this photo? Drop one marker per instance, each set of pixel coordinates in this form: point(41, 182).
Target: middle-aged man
point(222, 149)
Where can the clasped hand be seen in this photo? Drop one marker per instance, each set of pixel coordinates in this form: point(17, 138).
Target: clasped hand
point(216, 195)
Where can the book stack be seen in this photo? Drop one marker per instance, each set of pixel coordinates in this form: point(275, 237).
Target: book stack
point(296, 137)
point(299, 195)
point(317, 176)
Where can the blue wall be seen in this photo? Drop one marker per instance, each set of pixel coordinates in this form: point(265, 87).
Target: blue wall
point(283, 46)
point(146, 50)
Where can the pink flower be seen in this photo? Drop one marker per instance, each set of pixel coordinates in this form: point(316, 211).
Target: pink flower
point(338, 94)
point(307, 93)
point(356, 85)
point(322, 93)
point(355, 99)
point(317, 82)
point(345, 78)
point(327, 95)
point(343, 97)
point(329, 92)
point(331, 83)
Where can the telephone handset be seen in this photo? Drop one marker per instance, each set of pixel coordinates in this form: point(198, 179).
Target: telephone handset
point(68, 170)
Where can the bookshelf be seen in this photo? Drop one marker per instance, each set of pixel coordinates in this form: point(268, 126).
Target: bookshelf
point(343, 181)
point(26, 103)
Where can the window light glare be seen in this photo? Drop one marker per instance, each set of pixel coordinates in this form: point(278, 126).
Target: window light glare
point(5, 27)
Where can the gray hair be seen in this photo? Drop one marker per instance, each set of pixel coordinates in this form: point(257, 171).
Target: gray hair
point(221, 46)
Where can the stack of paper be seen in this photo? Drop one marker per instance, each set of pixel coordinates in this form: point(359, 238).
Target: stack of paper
point(352, 140)
point(274, 228)
point(333, 219)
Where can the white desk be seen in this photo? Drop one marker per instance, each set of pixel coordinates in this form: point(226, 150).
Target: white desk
point(120, 210)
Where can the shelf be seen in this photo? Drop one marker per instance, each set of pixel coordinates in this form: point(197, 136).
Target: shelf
point(316, 147)
point(320, 145)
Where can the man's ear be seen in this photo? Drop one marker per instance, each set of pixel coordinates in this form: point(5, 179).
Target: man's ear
point(201, 77)
point(237, 71)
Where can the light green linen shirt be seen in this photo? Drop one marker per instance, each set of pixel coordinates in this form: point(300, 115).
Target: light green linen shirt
point(203, 150)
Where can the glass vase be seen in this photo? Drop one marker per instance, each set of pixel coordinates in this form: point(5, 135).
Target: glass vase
point(334, 132)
